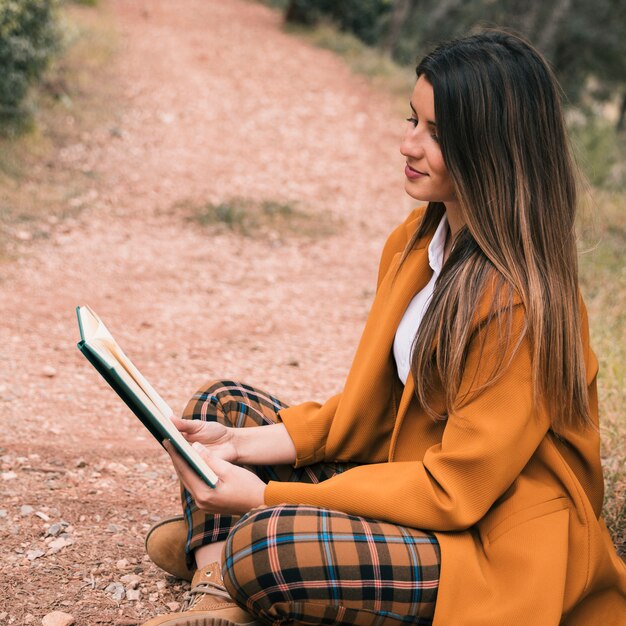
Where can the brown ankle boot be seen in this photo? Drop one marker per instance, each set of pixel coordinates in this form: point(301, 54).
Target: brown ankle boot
point(165, 545)
point(208, 604)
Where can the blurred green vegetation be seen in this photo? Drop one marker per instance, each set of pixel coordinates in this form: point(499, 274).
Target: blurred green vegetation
point(33, 34)
point(584, 41)
point(29, 38)
point(602, 276)
point(77, 94)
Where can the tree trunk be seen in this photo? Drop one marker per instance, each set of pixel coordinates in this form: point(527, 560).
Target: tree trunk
point(401, 10)
point(621, 118)
point(441, 11)
point(546, 40)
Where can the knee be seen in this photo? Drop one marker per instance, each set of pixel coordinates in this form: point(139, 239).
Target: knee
point(210, 401)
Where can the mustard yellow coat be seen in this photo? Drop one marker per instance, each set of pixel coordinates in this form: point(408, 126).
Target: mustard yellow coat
point(516, 511)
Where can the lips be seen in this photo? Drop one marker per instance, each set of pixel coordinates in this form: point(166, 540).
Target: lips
point(416, 171)
point(413, 174)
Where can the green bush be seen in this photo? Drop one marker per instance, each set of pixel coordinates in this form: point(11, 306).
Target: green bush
point(364, 18)
point(29, 37)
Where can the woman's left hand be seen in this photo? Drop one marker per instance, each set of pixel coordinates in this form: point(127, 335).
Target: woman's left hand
point(237, 491)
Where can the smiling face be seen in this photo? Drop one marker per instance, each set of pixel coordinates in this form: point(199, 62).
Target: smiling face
point(427, 177)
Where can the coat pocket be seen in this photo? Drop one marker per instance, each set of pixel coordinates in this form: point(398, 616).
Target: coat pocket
point(501, 524)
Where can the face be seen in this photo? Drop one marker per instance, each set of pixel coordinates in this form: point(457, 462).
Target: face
point(427, 178)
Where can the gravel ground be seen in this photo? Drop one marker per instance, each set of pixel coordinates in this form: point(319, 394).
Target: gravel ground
point(217, 103)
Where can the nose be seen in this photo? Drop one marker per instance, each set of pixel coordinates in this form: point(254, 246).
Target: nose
point(411, 144)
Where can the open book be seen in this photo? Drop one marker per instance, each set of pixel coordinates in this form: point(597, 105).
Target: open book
point(103, 352)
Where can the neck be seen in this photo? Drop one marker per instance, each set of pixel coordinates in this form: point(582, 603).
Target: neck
point(455, 221)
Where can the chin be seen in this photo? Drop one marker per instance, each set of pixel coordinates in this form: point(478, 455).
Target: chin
point(420, 197)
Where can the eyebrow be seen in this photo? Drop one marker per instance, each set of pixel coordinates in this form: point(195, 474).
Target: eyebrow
point(429, 122)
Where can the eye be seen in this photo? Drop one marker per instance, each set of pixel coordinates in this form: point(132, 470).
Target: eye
point(413, 121)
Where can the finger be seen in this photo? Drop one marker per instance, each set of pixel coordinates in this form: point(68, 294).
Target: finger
point(185, 473)
point(218, 465)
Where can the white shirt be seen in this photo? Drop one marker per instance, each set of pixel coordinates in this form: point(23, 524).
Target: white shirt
point(410, 323)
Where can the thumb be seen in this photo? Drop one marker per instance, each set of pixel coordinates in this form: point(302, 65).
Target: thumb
point(187, 426)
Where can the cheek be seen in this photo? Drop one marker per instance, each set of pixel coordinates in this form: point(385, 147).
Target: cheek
point(438, 167)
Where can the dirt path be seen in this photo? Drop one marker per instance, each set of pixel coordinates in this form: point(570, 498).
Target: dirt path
point(218, 103)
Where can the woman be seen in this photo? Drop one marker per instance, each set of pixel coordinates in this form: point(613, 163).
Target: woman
point(457, 478)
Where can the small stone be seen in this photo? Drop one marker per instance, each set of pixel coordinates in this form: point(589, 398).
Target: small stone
point(131, 580)
point(153, 597)
point(3, 615)
point(8, 475)
point(54, 530)
point(29, 618)
point(49, 371)
point(173, 606)
point(58, 544)
point(26, 509)
point(132, 595)
point(31, 555)
point(161, 584)
point(3, 513)
point(58, 618)
point(116, 590)
point(23, 235)
point(43, 516)
point(80, 463)
point(122, 564)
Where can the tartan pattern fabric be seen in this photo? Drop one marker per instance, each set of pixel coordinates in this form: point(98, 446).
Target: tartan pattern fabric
point(307, 564)
point(298, 563)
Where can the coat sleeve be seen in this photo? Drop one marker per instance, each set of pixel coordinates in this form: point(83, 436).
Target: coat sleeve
point(485, 445)
point(308, 424)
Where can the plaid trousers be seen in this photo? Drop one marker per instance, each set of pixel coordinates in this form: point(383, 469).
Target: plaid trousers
point(305, 564)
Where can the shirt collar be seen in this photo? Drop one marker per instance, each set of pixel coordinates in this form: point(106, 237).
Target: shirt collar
point(437, 244)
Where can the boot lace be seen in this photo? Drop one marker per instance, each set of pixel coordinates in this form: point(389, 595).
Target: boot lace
point(193, 596)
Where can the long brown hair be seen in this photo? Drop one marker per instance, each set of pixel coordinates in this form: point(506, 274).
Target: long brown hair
point(504, 142)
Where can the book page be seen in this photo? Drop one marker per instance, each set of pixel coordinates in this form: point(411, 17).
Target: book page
point(102, 335)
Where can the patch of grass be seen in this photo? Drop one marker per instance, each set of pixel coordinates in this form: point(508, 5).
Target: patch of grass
point(603, 283)
point(272, 219)
point(597, 148)
point(38, 188)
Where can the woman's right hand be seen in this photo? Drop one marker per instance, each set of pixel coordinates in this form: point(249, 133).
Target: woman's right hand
point(215, 437)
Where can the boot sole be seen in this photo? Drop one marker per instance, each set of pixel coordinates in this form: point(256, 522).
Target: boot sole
point(207, 621)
